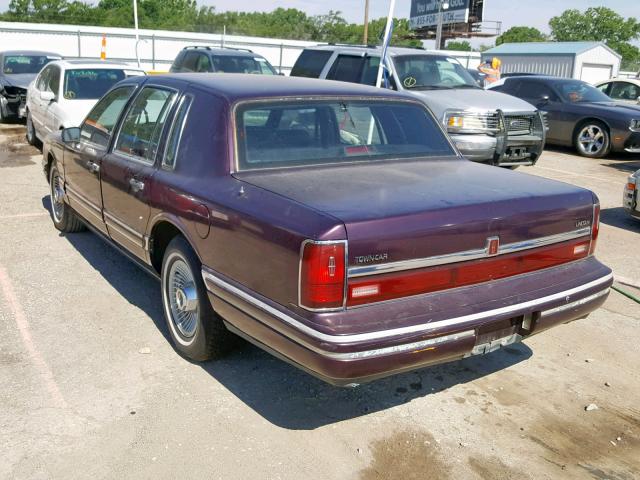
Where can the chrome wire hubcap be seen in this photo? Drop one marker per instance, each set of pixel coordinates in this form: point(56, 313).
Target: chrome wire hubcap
point(183, 298)
point(591, 139)
point(57, 198)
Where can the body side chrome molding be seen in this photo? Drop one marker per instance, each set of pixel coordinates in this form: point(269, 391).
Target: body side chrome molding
point(124, 230)
point(83, 199)
point(476, 254)
point(208, 275)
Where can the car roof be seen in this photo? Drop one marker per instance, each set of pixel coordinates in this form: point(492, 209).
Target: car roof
point(635, 81)
point(393, 51)
point(547, 78)
point(93, 64)
point(30, 52)
point(224, 51)
point(238, 86)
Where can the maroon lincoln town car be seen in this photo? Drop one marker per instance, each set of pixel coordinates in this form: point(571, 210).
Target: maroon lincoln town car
point(334, 225)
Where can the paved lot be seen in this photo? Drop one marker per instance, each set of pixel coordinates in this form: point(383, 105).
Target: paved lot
point(80, 398)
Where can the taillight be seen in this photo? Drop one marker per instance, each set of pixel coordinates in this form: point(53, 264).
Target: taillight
point(595, 228)
point(322, 275)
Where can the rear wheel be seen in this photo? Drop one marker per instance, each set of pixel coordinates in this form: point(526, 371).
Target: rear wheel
point(64, 219)
point(197, 331)
point(592, 139)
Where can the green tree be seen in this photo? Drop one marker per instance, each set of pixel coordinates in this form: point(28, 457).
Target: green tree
point(521, 35)
point(599, 24)
point(462, 46)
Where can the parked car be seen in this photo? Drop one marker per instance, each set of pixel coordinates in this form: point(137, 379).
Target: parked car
point(19, 68)
point(485, 126)
point(66, 90)
point(579, 114)
point(269, 207)
point(630, 195)
point(220, 60)
point(621, 89)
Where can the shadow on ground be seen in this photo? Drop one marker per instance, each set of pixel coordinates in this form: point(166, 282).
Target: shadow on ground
point(622, 161)
point(619, 217)
point(282, 394)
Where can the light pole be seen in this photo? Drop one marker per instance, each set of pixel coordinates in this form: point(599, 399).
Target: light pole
point(444, 5)
point(365, 37)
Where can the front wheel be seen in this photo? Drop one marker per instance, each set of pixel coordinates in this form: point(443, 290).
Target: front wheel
point(32, 138)
point(64, 219)
point(197, 331)
point(592, 139)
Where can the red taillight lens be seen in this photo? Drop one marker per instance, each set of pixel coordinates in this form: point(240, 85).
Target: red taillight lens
point(595, 228)
point(322, 275)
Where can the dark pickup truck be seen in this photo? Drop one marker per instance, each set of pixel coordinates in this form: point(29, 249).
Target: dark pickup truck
point(334, 225)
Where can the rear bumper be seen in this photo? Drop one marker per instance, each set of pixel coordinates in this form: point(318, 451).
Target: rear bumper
point(421, 330)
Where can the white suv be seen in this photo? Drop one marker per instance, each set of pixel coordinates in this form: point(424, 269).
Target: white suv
point(66, 90)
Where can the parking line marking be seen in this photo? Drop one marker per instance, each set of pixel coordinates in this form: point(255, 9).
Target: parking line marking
point(25, 332)
point(593, 177)
point(24, 215)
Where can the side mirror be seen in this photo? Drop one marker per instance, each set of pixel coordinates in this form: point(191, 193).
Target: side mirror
point(70, 135)
point(544, 99)
point(47, 96)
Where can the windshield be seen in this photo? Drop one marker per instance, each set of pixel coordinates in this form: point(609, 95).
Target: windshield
point(16, 64)
point(303, 133)
point(580, 92)
point(230, 64)
point(90, 84)
point(425, 72)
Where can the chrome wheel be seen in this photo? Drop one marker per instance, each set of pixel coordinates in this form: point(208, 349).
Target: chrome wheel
point(182, 296)
point(57, 198)
point(592, 140)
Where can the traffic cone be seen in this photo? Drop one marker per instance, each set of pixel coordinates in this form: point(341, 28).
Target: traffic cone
point(103, 50)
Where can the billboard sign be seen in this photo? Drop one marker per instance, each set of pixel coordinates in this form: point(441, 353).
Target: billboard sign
point(425, 13)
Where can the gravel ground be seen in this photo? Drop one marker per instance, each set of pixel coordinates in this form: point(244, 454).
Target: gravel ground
point(91, 387)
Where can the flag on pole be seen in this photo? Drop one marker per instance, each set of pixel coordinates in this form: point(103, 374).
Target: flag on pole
point(384, 67)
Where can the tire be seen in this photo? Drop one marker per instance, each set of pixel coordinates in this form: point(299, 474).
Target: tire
point(592, 139)
point(32, 138)
point(199, 333)
point(64, 219)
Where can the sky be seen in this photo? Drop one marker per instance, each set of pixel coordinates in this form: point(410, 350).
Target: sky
point(533, 13)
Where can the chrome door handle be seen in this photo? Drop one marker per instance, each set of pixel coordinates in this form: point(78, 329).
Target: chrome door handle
point(93, 167)
point(136, 185)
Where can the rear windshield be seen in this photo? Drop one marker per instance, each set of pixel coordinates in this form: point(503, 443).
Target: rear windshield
point(284, 134)
point(231, 64)
point(89, 84)
point(16, 64)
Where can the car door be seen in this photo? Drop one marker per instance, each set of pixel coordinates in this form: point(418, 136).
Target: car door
point(128, 168)
point(545, 99)
point(83, 159)
point(35, 102)
point(51, 109)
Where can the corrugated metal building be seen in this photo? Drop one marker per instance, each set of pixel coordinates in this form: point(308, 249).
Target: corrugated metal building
point(588, 61)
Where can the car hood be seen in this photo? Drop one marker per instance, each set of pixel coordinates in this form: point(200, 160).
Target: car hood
point(21, 80)
point(440, 101)
point(618, 107)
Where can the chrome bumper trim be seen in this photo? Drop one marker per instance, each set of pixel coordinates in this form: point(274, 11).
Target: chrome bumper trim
point(575, 304)
point(208, 275)
point(466, 255)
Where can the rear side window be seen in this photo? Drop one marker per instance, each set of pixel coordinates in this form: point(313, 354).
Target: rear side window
point(310, 63)
point(287, 134)
point(175, 134)
point(144, 123)
point(535, 91)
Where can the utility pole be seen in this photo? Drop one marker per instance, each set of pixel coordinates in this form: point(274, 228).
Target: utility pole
point(365, 38)
point(135, 22)
point(444, 5)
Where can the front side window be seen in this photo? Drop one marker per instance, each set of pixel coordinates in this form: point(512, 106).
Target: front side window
point(427, 72)
point(99, 124)
point(142, 127)
point(576, 91)
point(43, 79)
point(203, 64)
point(240, 64)
point(347, 68)
point(306, 133)
point(90, 83)
point(625, 91)
point(17, 64)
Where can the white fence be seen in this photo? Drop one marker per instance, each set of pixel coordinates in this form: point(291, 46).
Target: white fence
point(156, 48)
